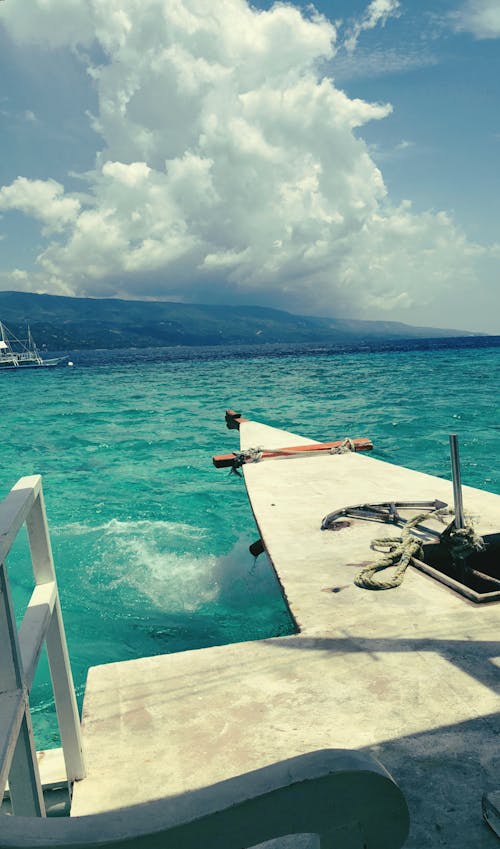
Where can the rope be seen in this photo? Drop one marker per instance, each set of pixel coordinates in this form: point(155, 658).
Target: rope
point(253, 455)
point(249, 455)
point(464, 540)
point(346, 446)
point(400, 550)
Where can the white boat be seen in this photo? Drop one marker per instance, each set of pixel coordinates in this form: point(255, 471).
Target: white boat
point(233, 745)
point(21, 353)
point(409, 673)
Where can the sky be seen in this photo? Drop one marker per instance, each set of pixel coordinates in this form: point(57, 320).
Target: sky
point(337, 159)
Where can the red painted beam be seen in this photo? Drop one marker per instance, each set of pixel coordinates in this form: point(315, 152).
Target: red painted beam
point(233, 420)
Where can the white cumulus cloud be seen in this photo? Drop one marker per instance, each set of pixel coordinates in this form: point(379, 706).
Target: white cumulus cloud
point(479, 17)
point(41, 199)
point(230, 168)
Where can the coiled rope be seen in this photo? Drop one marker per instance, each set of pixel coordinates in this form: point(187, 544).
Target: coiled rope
point(400, 550)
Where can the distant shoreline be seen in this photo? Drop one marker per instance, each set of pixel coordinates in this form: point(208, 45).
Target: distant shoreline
point(159, 353)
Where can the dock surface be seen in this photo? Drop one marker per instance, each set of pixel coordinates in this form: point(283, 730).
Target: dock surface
point(410, 674)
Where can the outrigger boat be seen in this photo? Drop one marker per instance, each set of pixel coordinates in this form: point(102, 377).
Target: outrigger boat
point(375, 725)
point(18, 353)
point(409, 673)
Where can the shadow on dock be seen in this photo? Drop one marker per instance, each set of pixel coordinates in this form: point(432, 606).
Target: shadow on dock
point(442, 760)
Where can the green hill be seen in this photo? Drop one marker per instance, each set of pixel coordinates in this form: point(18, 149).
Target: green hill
point(63, 323)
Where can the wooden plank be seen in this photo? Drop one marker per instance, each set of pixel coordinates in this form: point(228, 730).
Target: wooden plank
point(34, 628)
point(39, 541)
point(12, 707)
point(233, 420)
point(25, 788)
point(11, 672)
point(14, 509)
point(224, 461)
point(64, 696)
point(55, 640)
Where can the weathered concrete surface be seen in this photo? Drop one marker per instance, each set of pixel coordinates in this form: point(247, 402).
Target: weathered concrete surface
point(409, 674)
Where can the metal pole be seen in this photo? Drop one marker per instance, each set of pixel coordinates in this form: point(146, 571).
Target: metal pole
point(457, 487)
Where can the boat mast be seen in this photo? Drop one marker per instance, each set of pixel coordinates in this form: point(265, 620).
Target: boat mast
point(31, 342)
point(7, 354)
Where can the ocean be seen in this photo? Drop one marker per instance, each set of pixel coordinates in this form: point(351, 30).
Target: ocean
point(150, 541)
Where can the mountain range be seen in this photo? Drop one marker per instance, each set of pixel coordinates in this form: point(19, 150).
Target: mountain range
point(65, 323)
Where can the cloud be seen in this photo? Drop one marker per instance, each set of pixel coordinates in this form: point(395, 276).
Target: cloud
point(380, 61)
point(407, 258)
point(399, 151)
point(479, 17)
point(19, 275)
point(40, 199)
point(377, 12)
point(55, 23)
point(230, 169)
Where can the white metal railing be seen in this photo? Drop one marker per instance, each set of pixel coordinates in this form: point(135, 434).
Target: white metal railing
point(20, 652)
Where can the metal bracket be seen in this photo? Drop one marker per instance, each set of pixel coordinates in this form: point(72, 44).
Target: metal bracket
point(386, 511)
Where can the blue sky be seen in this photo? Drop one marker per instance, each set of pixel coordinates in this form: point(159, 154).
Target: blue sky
point(340, 159)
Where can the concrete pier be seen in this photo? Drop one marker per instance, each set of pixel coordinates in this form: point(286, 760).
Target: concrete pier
point(410, 674)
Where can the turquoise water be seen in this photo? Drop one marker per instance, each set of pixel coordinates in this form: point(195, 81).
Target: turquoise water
point(150, 541)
